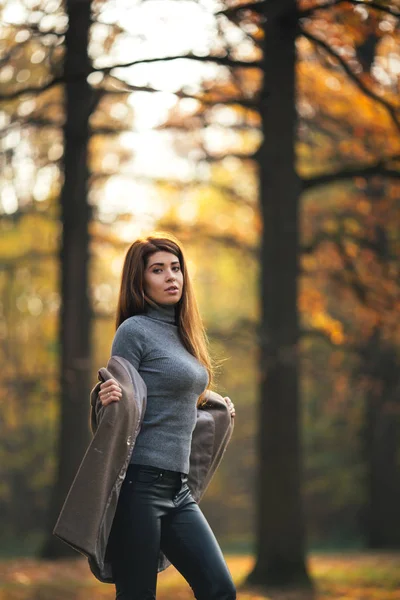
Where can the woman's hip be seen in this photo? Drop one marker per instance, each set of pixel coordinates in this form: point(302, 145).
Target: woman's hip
point(161, 490)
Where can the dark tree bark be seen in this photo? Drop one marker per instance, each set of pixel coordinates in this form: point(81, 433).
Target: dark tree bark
point(75, 308)
point(280, 549)
point(380, 434)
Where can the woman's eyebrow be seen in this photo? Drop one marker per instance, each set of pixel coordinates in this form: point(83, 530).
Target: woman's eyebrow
point(175, 262)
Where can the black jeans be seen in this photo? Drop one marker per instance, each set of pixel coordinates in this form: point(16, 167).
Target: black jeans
point(156, 510)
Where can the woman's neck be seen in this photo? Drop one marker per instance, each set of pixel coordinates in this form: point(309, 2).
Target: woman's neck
point(162, 312)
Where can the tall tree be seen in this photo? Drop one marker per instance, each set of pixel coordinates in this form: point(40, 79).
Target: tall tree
point(75, 311)
point(380, 432)
point(34, 168)
point(369, 259)
point(280, 550)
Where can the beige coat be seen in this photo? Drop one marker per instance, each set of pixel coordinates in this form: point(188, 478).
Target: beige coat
point(87, 514)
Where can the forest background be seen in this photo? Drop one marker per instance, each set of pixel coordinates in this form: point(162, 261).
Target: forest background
point(175, 93)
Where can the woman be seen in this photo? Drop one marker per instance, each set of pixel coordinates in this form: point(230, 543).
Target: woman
point(159, 331)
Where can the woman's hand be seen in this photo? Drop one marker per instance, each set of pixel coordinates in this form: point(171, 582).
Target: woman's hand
point(231, 406)
point(110, 391)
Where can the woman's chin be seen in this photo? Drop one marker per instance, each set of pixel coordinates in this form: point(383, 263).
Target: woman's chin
point(166, 300)
point(170, 301)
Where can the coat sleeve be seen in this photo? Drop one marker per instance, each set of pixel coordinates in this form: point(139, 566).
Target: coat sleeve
point(95, 408)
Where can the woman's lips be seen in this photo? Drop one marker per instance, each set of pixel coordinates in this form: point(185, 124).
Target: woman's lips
point(172, 291)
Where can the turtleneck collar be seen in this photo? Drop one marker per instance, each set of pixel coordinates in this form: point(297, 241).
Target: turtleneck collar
point(162, 312)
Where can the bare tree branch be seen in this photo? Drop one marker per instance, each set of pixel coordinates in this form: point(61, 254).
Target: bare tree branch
point(269, 8)
point(240, 155)
point(360, 84)
point(6, 58)
point(261, 7)
point(380, 168)
point(30, 122)
point(220, 60)
point(186, 231)
point(32, 89)
point(381, 7)
point(361, 242)
point(224, 61)
point(257, 7)
point(349, 276)
point(246, 102)
point(107, 131)
point(236, 18)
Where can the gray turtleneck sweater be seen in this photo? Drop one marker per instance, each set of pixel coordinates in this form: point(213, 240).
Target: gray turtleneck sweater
point(174, 378)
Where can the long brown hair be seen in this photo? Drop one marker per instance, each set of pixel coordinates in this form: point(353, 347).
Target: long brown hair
point(132, 298)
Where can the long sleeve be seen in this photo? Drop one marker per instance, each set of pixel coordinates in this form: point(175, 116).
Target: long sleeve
point(129, 342)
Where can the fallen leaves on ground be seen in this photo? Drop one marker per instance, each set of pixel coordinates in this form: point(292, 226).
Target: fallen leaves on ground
point(350, 576)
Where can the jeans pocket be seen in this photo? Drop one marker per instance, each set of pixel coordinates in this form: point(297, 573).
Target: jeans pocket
point(144, 475)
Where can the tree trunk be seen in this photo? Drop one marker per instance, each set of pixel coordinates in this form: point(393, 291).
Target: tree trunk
point(280, 553)
point(380, 435)
point(75, 327)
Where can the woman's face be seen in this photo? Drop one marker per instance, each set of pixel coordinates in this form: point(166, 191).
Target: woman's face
point(163, 271)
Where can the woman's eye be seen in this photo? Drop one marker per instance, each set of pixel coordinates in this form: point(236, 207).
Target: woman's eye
point(157, 270)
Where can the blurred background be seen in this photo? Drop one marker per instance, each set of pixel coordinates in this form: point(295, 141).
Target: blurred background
point(266, 137)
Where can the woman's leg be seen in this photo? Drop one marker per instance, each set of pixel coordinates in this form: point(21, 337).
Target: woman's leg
point(135, 534)
point(189, 543)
